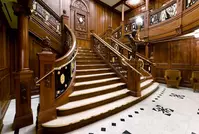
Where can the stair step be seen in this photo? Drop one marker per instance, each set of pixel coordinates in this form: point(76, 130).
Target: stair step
point(88, 103)
point(90, 77)
point(92, 71)
point(87, 54)
point(146, 83)
point(90, 92)
point(87, 58)
point(79, 62)
point(91, 66)
point(68, 123)
point(95, 83)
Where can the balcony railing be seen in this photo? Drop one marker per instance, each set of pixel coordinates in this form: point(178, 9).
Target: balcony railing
point(132, 26)
point(189, 3)
point(166, 12)
point(46, 15)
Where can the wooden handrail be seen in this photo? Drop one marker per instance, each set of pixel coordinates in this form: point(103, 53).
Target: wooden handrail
point(129, 49)
point(43, 4)
point(162, 8)
point(62, 60)
point(66, 59)
point(124, 59)
point(114, 31)
point(120, 44)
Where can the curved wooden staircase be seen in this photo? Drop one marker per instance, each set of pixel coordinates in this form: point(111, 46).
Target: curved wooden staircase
point(98, 93)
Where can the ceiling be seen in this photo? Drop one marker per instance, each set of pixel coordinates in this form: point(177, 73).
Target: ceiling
point(117, 4)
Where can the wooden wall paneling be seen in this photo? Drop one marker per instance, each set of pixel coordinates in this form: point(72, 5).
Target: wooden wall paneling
point(5, 78)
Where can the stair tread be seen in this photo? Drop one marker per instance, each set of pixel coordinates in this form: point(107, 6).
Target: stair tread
point(96, 81)
point(92, 65)
point(92, 90)
point(74, 118)
point(91, 100)
point(93, 75)
point(98, 69)
point(144, 83)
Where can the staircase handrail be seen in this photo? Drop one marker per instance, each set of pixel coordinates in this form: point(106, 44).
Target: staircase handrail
point(129, 49)
point(124, 59)
point(65, 59)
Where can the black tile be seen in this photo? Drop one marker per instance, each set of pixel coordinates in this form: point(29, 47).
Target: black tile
point(113, 124)
point(197, 112)
point(141, 108)
point(103, 129)
point(136, 112)
point(156, 98)
point(90, 133)
point(122, 119)
point(126, 132)
point(193, 133)
point(153, 100)
point(130, 115)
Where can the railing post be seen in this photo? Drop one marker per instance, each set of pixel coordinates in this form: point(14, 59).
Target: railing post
point(46, 109)
point(133, 79)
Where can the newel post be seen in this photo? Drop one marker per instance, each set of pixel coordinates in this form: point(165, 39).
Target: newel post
point(46, 109)
point(133, 79)
point(64, 20)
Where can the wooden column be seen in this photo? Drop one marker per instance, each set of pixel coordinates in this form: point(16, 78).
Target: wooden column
point(134, 80)
point(146, 20)
point(23, 76)
point(122, 22)
point(46, 109)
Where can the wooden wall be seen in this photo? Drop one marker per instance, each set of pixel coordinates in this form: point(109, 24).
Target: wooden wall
point(99, 18)
point(5, 67)
point(180, 54)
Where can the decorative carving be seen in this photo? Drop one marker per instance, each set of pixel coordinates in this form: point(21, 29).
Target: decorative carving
point(47, 44)
point(46, 16)
point(80, 5)
point(80, 21)
point(80, 10)
point(23, 92)
point(47, 80)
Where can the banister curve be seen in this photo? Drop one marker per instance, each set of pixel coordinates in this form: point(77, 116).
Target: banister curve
point(70, 53)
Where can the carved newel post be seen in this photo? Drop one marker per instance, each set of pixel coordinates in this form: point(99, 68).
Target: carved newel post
point(64, 20)
point(134, 78)
point(23, 75)
point(46, 108)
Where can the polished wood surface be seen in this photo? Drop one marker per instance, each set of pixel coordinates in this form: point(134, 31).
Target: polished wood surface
point(5, 66)
point(180, 54)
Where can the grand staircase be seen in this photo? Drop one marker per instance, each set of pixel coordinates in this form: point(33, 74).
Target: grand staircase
point(98, 93)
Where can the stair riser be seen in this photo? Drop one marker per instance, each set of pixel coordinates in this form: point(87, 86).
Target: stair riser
point(87, 55)
point(145, 79)
point(95, 85)
point(87, 58)
point(92, 72)
point(75, 98)
point(146, 86)
point(91, 67)
point(89, 106)
point(84, 62)
point(93, 119)
point(95, 78)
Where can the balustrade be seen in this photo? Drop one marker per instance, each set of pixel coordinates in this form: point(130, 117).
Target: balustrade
point(46, 15)
point(166, 12)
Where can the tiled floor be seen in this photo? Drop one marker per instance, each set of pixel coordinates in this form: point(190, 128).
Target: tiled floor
point(167, 111)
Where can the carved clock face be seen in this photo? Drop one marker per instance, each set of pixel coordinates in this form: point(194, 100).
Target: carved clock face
point(81, 20)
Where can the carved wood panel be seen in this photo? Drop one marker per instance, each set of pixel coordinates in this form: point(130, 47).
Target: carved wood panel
point(80, 11)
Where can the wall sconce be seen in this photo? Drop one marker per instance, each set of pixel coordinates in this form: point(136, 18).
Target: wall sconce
point(196, 33)
point(139, 21)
